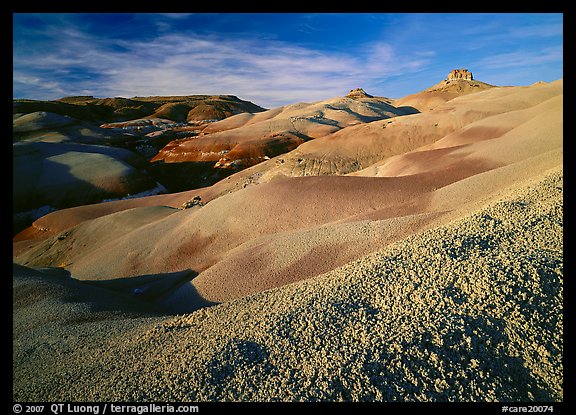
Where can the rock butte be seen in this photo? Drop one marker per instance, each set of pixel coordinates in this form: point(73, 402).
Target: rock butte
point(358, 93)
point(457, 74)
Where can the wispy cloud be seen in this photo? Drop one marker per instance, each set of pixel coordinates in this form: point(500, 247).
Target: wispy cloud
point(177, 16)
point(498, 32)
point(274, 59)
point(268, 72)
point(521, 58)
point(41, 86)
point(537, 30)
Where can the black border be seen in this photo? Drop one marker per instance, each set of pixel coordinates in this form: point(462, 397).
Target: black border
point(566, 7)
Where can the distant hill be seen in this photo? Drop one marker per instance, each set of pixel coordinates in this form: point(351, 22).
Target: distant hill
point(175, 108)
point(66, 154)
point(455, 84)
point(247, 139)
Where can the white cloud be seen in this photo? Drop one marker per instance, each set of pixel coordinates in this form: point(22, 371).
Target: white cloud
point(177, 16)
point(497, 32)
point(36, 85)
point(537, 30)
point(267, 72)
point(521, 58)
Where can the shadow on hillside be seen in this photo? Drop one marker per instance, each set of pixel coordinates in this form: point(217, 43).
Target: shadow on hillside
point(407, 110)
point(41, 185)
point(93, 300)
point(155, 288)
point(188, 175)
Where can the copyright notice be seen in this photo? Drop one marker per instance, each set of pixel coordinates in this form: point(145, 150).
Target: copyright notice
point(103, 408)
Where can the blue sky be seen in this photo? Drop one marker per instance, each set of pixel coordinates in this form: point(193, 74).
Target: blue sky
point(279, 58)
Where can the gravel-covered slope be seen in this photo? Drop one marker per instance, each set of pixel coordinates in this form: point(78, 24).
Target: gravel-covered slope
point(470, 311)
